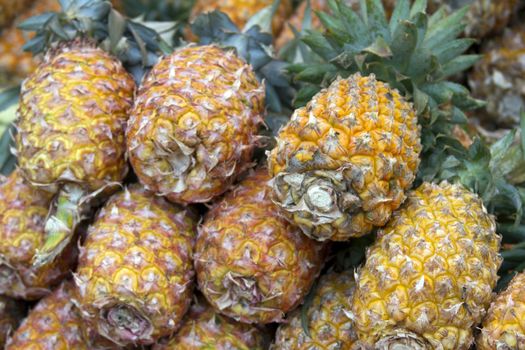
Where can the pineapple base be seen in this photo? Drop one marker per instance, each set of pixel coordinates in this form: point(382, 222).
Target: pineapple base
point(402, 340)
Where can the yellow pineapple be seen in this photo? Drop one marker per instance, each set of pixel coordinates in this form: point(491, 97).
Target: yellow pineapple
point(23, 212)
point(428, 279)
point(252, 265)
point(193, 127)
point(499, 77)
point(327, 318)
point(53, 323)
point(204, 328)
point(504, 326)
point(11, 313)
point(240, 11)
point(343, 163)
point(135, 274)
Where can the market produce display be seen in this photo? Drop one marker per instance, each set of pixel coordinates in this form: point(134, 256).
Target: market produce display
point(262, 175)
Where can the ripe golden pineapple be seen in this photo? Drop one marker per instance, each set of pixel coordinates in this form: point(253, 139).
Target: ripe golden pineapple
point(252, 265)
point(484, 17)
point(504, 326)
point(135, 273)
point(11, 313)
point(328, 320)
point(343, 163)
point(71, 123)
point(240, 11)
point(23, 212)
point(14, 62)
point(9, 9)
point(194, 123)
point(428, 278)
point(53, 323)
point(204, 328)
point(499, 77)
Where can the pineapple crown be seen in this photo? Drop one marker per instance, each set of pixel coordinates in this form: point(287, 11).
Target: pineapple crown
point(253, 44)
point(137, 45)
point(412, 52)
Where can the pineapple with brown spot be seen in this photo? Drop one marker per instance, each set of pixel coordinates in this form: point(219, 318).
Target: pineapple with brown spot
point(252, 265)
point(135, 274)
point(343, 163)
point(194, 124)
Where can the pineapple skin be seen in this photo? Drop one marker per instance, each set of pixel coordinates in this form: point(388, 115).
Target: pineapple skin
point(252, 265)
point(72, 118)
point(53, 323)
point(499, 77)
point(11, 313)
point(328, 318)
point(483, 18)
point(504, 325)
point(194, 123)
point(343, 163)
point(240, 11)
point(16, 64)
point(23, 212)
point(204, 328)
point(137, 263)
point(428, 279)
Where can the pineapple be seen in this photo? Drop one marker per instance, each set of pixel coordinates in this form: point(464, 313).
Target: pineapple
point(240, 11)
point(53, 323)
point(135, 273)
point(484, 17)
point(14, 62)
point(193, 126)
point(73, 112)
point(343, 163)
point(23, 211)
point(9, 9)
point(504, 326)
point(11, 313)
point(499, 77)
point(204, 328)
point(251, 264)
point(428, 278)
point(327, 317)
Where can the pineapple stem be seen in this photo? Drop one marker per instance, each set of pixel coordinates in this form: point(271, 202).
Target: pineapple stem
point(127, 324)
point(60, 225)
point(402, 340)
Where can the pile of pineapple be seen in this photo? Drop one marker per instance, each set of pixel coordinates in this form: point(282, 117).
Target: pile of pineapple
point(325, 174)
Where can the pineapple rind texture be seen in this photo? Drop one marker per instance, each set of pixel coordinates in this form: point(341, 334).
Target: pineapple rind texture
point(9, 9)
point(53, 323)
point(343, 163)
point(429, 277)
point(72, 118)
point(240, 11)
point(499, 77)
point(504, 326)
point(328, 316)
point(252, 265)
point(194, 124)
point(484, 17)
point(23, 212)
point(204, 328)
point(135, 274)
